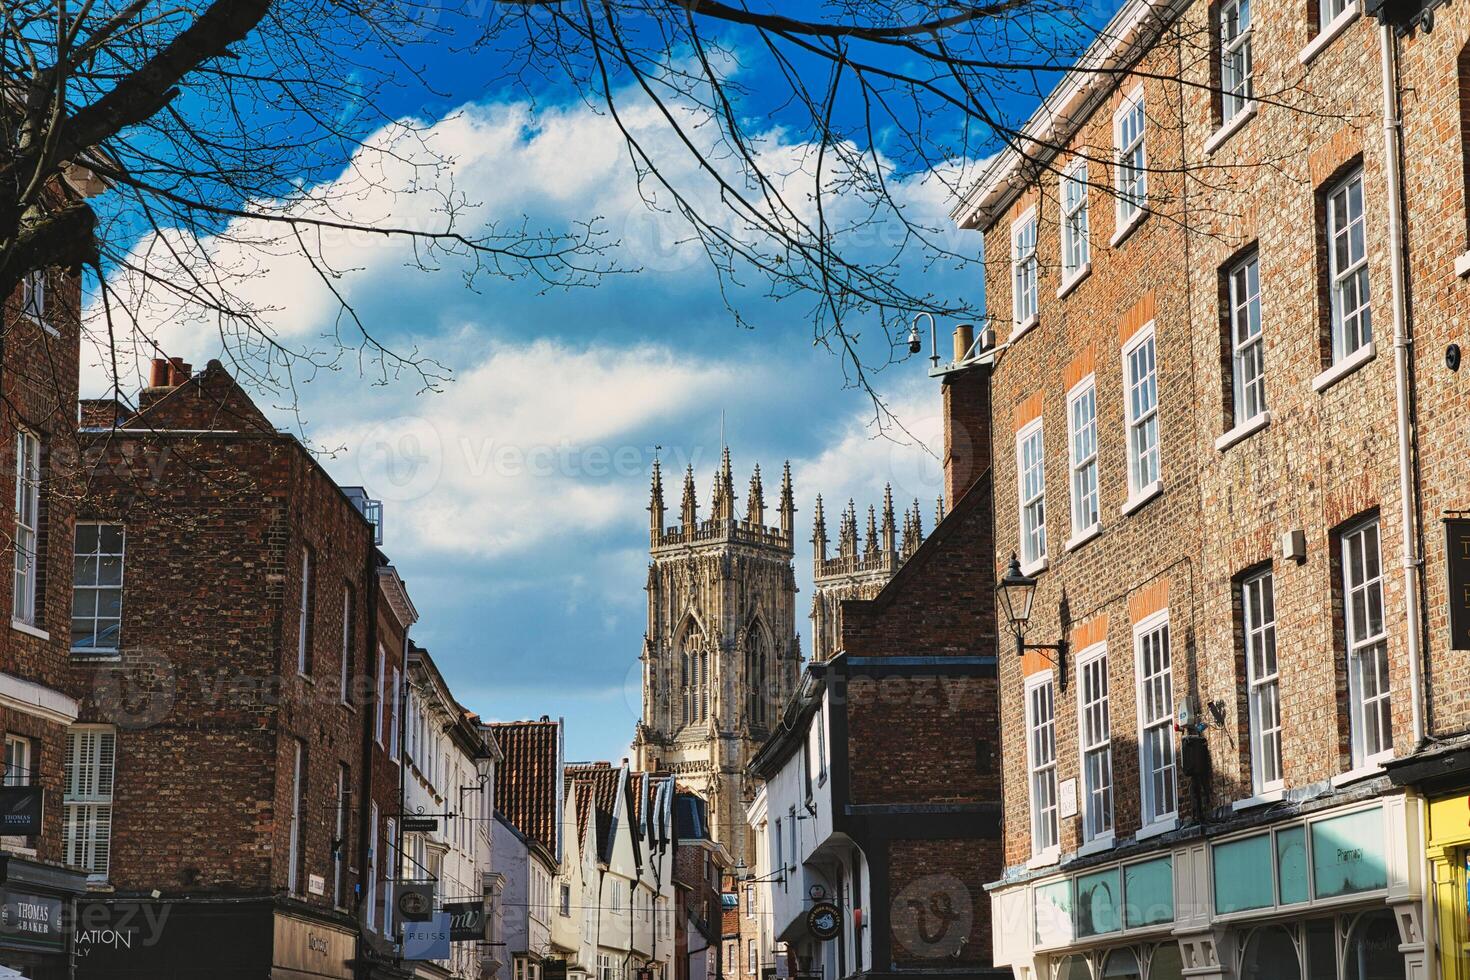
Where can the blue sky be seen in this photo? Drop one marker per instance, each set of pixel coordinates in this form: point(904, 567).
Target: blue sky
point(515, 498)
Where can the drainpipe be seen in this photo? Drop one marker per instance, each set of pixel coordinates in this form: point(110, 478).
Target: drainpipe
point(1412, 560)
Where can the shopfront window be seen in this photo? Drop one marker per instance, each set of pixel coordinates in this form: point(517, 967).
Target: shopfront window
point(1243, 874)
point(1097, 903)
point(1373, 948)
point(1270, 954)
point(1271, 869)
point(1291, 865)
point(1347, 854)
point(1148, 893)
point(1121, 964)
point(1166, 963)
point(1073, 968)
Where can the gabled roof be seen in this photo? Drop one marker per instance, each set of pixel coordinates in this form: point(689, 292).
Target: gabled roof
point(582, 790)
point(603, 780)
point(528, 783)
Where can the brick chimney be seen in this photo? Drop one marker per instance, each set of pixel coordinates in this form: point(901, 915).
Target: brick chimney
point(966, 422)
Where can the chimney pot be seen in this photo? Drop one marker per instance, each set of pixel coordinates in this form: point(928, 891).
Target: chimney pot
point(179, 370)
point(158, 373)
point(964, 339)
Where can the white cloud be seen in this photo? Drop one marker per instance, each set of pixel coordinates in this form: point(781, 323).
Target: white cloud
point(530, 442)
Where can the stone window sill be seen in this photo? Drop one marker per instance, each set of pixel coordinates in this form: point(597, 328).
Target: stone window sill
point(29, 630)
point(1083, 536)
point(1142, 497)
point(1157, 828)
point(1344, 367)
point(1229, 129)
point(1246, 428)
point(1036, 567)
point(1329, 33)
point(1097, 845)
point(1019, 330)
point(1365, 771)
point(1127, 229)
point(1052, 855)
point(1071, 282)
point(1260, 799)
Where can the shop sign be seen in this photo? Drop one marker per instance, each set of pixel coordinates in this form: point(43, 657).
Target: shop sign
point(420, 825)
point(415, 901)
point(34, 920)
point(824, 922)
point(21, 810)
point(427, 940)
point(312, 948)
point(466, 921)
point(1457, 558)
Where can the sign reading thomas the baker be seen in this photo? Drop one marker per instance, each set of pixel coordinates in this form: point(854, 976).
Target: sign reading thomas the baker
point(31, 920)
point(21, 811)
point(1457, 557)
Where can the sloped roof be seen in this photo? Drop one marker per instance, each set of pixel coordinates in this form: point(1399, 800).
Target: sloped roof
point(527, 782)
point(583, 796)
point(603, 780)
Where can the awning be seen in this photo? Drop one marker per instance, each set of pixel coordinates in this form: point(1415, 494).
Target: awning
point(6, 973)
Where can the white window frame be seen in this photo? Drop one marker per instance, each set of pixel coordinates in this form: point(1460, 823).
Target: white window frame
point(1351, 274)
point(27, 526)
point(17, 760)
point(97, 587)
point(382, 680)
point(34, 291)
point(1247, 340)
point(348, 610)
point(1263, 679)
point(1031, 506)
point(1131, 183)
point(1082, 460)
point(1138, 421)
point(1095, 741)
point(1328, 11)
point(1024, 270)
point(1236, 63)
point(1158, 720)
point(372, 866)
point(339, 862)
point(303, 625)
point(293, 874)
point(393, 749)
point(1042, 772)
point(1362, 643)
point(1076, 246)
point(88, 786)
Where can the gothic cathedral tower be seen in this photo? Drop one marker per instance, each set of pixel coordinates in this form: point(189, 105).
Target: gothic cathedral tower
point(721, 655)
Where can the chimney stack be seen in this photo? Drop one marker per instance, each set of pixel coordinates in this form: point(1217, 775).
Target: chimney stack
point(966, 421)
point(158, 373)
point(179, 371)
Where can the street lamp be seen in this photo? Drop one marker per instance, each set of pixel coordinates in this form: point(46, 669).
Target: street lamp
point(1017, 592)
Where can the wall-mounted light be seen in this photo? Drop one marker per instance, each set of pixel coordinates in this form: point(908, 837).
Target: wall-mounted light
point(1017, 592)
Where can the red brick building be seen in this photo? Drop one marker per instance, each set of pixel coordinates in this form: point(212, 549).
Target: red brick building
point(1225, 295)
point(240, 707)
point(38, 371)
point(880, 793)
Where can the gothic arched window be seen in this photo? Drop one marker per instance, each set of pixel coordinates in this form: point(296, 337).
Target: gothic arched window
point(694, 675)
point(755, 675)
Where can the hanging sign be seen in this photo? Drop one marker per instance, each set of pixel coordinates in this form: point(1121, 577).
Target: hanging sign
point(21, 811)
point(466, 921)
point(1457, 558)
point(824, 922)
point(415, 901)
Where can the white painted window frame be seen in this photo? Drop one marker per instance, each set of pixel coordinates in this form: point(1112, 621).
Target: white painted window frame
point(27, 526)
point(1080, 465)
point(1076, 243)
point(1031, 507)
point(1097, 826)
point(1151, 813)
point(1262, 687)
point(304, 614)
point(88, 787)
point(97, 586)
point(1025, 285)
point(1137, 423)
point(348, 611)
point(1361, 643)
point(1235, 59)
point(1340, 275)
point(1249, 351)
point(293, 873)
point(1131, 203)
point(1045, 817)
point(17, 760)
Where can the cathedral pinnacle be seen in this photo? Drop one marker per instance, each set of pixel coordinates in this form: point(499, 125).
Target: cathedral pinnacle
point(870, 546)
point(689, 511)
point(847, 535)
point(788, 503)
point(656, 500)
point(724, 498)
point(755, 501)
point(889, 544)
point(819, 531)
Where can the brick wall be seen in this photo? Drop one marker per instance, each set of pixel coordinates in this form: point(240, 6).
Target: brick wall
point(206, 694)
point(1326, 457)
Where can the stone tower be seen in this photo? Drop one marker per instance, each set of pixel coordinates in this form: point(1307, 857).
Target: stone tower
point(860, 569)
point(721, 655)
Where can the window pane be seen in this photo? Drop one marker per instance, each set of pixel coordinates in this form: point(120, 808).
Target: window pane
point(1097, 903)
point(1270, 954)
point(1291, 864)
point(1347, 854)
point(1243, 874)
point(1148, 893)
